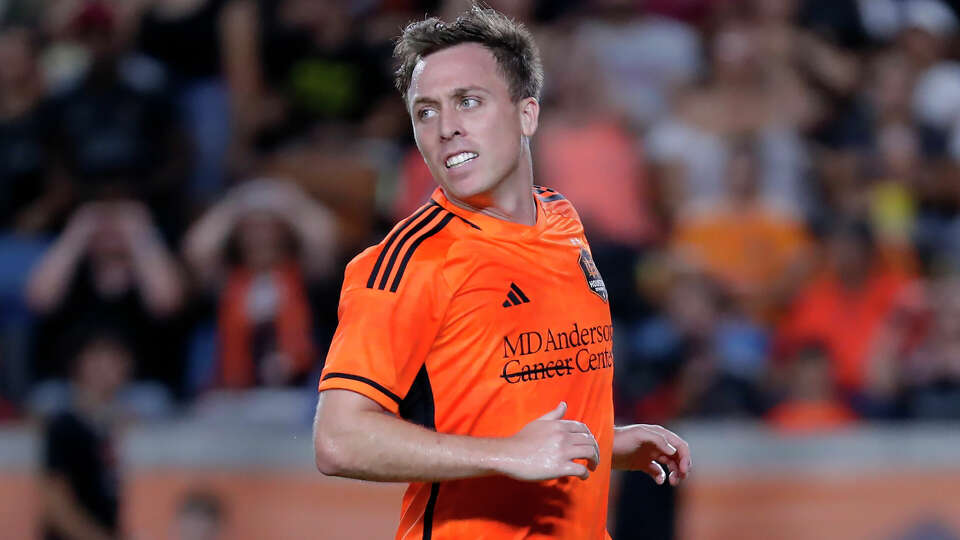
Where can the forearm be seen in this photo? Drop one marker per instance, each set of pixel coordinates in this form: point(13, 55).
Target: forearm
point(48, 283)
point(381, 447)
point(206, 241)
point(66, 516)
point(317, 230)
point(157, 275)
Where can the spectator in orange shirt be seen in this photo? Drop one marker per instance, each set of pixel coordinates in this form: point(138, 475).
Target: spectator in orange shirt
point(846, 305)
point(749, 245)
point(811, 402)
point(283, 242)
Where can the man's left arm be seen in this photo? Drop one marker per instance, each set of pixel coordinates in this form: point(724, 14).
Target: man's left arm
point(652, 449)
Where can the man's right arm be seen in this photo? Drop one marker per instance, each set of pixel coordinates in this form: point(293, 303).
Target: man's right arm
point(355, 437)
point(65, 514)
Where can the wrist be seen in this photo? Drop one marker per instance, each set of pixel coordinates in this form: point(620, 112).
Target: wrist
point(496, 457)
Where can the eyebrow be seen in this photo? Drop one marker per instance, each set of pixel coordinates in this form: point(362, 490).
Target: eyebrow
point(456, 93)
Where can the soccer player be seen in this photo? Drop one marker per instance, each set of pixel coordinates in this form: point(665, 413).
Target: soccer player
point(474, 353)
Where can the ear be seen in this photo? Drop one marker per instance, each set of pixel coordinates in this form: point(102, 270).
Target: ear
point(529, 109)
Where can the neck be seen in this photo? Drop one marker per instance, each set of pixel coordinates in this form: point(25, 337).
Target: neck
point(511, 200)
point(111, 277)
point(94, 405)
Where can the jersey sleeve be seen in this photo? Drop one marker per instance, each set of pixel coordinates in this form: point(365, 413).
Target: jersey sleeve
point(383, 337)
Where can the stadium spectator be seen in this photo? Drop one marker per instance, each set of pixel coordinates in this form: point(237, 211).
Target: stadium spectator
point(200, 516)
point(755, 249)
point(929, 370)
point(110, 266)
point(639, 57)
point(846, 305)
point(725, 353)
point(32, 201)
point(742, 96)
point(811, 402)
point(80, 484)
point(209, 49)
point(891, 196)
point(259, 251)
point(319, 75)
point(114, 126)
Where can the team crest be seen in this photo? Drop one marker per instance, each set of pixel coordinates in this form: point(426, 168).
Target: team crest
point(592, 274)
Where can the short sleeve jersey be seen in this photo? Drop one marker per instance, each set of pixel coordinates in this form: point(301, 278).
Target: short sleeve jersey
point(471, 325)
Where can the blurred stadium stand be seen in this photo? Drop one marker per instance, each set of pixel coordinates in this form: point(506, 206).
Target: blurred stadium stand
point(771, 189)
point(890, 482)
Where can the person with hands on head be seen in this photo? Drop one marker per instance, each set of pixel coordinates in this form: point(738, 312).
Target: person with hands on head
point(109, 265)
point(474, 352)
point(118, 240)
point(282, 242)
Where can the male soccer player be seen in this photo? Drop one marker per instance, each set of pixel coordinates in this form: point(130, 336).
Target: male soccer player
point(473, 357)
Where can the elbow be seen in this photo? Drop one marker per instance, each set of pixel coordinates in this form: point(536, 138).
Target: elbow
point(329, 454)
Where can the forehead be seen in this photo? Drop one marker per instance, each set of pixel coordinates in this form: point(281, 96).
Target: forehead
point(460, 66)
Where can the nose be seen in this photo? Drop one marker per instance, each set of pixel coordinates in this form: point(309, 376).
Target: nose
point(450, 125)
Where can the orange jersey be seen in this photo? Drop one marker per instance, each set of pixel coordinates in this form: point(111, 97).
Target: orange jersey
point(476, 326)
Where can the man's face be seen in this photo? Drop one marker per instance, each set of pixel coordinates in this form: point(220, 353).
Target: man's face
point(468, 129)
point(104, 367)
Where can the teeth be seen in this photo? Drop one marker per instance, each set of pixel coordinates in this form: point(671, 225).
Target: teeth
point(460, 159)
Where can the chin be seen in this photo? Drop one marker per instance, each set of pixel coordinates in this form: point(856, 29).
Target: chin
point(466, 188)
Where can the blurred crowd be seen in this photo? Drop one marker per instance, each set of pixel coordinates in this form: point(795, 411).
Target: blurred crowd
point(771, 189)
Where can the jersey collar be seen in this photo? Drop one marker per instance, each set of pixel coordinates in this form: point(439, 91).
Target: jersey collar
point(490, 224)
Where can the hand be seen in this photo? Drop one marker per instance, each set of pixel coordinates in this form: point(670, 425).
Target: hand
point(266, 194)
point(133, 219)
point(84, 222)
point(642, 447)
point(547, 447)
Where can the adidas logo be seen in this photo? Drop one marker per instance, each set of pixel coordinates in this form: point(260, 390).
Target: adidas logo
point(515, 297)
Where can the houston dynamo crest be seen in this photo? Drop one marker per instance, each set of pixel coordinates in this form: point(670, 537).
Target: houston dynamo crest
point(592, 274)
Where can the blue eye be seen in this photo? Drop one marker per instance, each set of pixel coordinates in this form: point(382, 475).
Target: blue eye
point(423, 114)
point(469, 103)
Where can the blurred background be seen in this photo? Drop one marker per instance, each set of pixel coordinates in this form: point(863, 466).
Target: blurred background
point(771, 189)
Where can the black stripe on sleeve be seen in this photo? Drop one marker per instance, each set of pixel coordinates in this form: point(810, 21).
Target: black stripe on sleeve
point(391, 240)
point(413, 247)
point(403, 241)
point(551, 198)
point(519, 293)
point(375, 384)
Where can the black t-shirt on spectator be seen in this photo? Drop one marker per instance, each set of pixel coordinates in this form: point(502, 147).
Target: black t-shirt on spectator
point(189, 46)
point(115, 134)
point(121, 137)
point(332, 84)
point(157, 343)
point(84, 456)
point(24, 155)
